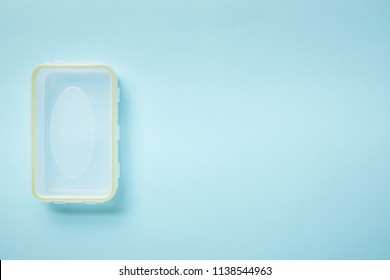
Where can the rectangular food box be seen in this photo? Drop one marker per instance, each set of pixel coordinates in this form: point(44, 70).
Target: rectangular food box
point(75, 132)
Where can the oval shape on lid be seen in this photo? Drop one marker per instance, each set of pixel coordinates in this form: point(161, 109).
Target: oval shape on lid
point(72, 132)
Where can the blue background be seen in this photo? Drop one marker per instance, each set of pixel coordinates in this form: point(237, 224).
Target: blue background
point(249, 129)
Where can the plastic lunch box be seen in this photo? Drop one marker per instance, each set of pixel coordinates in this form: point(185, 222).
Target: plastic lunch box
point(75, 132)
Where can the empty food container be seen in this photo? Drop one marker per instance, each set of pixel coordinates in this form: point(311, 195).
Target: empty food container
point(75, 132)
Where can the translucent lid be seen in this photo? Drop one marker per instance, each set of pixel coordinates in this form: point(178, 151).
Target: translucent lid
point(74, 132)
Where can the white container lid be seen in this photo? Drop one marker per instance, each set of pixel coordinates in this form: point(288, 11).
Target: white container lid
point(75, 132)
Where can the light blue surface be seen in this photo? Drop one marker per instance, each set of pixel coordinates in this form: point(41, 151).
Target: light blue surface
point(250, 129)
